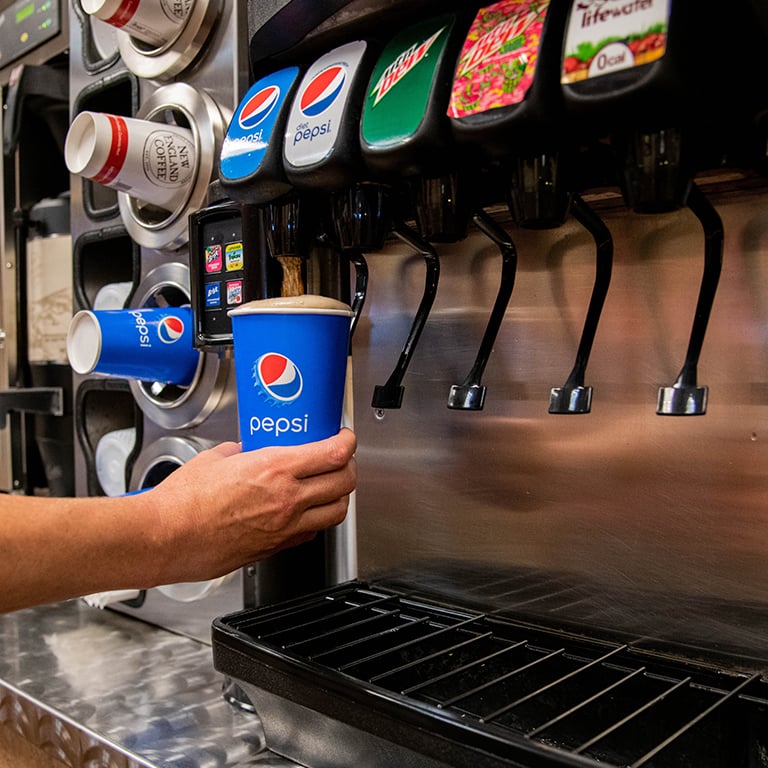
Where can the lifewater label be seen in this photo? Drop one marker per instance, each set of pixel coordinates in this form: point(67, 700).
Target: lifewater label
point(317, 111)
point(605, 36)
point(169, 159)
point(252, 127)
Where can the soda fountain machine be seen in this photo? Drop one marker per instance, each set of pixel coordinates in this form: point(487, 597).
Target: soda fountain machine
point(536, 590)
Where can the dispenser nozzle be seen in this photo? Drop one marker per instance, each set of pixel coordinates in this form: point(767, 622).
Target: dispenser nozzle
point(390, 395)
point(686, 397)
point(470, 394)
point(573, 396)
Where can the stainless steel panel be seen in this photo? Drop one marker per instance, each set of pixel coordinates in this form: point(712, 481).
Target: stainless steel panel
point(669, 506)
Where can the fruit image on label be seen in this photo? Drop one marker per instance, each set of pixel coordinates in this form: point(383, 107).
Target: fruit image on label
point(497, 64)
point(605, 36)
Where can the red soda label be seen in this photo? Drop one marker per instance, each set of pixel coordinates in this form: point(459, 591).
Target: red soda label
point(498, 61)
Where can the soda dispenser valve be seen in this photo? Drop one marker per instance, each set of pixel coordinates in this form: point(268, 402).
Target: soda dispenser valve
point(406, 134)
point(322, 151)
point(574, 396)
point(686, 397)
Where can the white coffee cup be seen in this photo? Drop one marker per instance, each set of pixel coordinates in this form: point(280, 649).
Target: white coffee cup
point(155, 22)
point(154, 162)
point(112, 452)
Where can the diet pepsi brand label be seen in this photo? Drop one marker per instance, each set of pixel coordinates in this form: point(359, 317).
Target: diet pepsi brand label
point(252, 126)
point(318, 110)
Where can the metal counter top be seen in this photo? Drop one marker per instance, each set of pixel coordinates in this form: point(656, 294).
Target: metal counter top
point(101, 689)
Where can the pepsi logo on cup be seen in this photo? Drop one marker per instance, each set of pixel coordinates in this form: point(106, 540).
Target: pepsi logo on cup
point(170, 329)
point(278, 378)
point(322, 91)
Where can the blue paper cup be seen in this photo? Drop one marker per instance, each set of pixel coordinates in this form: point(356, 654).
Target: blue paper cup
point(290, 369)
point(147, 344)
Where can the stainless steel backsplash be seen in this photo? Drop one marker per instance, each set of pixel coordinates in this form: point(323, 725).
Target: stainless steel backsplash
point(657, 524)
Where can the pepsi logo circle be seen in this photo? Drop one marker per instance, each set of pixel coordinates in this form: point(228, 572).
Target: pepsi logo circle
point(322, 90)
point(170, 329)
point(278, 377)
point(258, 107)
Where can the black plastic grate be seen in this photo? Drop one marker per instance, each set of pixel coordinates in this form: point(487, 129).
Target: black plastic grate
point(496, 682)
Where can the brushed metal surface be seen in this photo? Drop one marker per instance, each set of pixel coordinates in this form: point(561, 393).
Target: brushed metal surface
point(94, 688)
point(672, 507)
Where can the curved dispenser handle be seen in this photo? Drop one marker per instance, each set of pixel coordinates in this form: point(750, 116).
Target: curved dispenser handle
point(685, 397)
point(573, 396)
point(390, 395)
point(358, 261)
point(470, 394)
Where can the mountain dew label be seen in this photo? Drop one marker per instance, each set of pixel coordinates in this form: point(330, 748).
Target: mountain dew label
point(402, 82)
point(498, 61)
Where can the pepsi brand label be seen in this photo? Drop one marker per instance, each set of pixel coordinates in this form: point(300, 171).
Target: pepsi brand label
point(168, 330)
point(318, 109)
point(278, 379)
point(252, 126)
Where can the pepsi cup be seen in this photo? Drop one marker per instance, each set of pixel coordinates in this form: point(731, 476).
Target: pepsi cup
point(147, 344)
point(290, 368)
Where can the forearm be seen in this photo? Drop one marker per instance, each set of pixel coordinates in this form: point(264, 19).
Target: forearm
point(55, 549)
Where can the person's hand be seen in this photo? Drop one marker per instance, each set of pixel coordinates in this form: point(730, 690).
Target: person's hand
point(226, 508)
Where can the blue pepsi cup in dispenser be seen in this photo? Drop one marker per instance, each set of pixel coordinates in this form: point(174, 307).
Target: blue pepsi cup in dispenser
point(291, 369)
point(147, 344)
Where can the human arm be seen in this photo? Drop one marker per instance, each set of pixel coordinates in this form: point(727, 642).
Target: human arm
point(221, 510)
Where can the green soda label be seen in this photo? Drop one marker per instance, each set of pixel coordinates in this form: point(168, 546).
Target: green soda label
point(401, 83)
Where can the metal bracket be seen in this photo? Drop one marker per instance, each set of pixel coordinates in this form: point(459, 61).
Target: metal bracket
point(46, 400)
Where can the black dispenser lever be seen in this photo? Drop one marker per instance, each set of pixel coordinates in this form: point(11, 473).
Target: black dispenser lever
point(573, 396)
point(685, 397)
point(390, 395)
point(470, 394)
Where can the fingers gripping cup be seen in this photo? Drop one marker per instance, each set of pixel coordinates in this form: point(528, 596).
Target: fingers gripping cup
point(151, 161)
point(143, 344)
point(290, 368)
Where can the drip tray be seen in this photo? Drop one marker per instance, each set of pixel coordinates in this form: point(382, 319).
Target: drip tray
point(368, 675)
